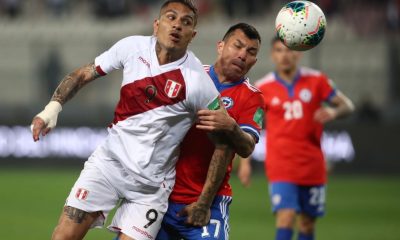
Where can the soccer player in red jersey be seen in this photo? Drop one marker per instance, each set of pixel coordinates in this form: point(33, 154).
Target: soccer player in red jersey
point(298, 101)
point(237, 53)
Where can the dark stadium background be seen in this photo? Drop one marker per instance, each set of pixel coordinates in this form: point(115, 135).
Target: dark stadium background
point(41, 41)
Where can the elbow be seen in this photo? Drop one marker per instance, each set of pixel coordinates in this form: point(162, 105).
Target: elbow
point(245, 152)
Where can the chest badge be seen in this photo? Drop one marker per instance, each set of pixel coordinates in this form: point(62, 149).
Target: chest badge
point(228, 102)
point(172, 88)
point(275, 101)
point(305, 95)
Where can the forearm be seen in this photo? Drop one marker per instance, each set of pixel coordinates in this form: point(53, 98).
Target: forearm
point(344, 109)
point(342, 105)
point(74, 81)
point(215, 175)
point(243, 142)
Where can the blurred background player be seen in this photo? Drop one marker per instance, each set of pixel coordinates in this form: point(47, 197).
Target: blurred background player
point(298, 101)
point(236, 54)
point(163, 87)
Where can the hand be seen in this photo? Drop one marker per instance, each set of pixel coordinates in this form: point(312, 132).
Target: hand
point(38, 127)
point(45, 120)
point(244, 172)
point(324, 115)
point(197, 215)
point(215, 120)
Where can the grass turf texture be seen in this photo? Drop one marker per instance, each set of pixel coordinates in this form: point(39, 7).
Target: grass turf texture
point(359, 207)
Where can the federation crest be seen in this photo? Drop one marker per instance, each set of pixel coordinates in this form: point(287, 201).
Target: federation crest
point(305, 95)
point(172, 88)
point(228, 102)
point(82, 194)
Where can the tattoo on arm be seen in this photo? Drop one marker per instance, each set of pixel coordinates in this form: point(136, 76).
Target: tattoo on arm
point(74, 81)
point(75, 215)
point(243, 142)
point(216, 173)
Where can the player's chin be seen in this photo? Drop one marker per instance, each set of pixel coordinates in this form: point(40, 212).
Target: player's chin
point(175, 45)
point(236, 74)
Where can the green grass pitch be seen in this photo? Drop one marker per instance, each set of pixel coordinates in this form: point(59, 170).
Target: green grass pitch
point(358, 207)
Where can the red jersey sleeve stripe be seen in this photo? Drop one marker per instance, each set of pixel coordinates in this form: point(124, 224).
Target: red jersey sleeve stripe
point(100, 71)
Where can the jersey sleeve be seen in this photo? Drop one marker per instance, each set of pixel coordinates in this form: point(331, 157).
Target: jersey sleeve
point(113, 58)
point(202, 93)
point(327, 89)
point(251, 115)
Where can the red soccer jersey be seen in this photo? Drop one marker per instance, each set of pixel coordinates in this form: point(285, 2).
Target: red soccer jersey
point(245, 104)
point(293, 136)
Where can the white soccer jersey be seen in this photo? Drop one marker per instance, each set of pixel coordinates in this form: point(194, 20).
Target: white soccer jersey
point(157, 106)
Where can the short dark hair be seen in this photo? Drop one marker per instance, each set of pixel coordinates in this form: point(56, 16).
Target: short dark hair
point(250, 31)
point(187, 3)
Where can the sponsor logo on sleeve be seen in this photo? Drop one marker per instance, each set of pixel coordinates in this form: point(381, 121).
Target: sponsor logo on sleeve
point(259, 117)
point(214, 105)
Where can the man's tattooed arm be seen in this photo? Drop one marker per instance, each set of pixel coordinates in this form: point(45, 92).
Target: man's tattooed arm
point(75, 215)
point(199, 213)
point(74, 81)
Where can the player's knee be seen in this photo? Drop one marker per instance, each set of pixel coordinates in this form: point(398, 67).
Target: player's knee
point(285, 218)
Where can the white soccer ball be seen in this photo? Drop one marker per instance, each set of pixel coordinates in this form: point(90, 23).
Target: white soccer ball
point(300, 25)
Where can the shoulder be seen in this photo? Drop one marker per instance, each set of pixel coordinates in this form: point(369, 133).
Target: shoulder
point(246, 93)
point(135, 42)
point(249, 87)
point(313, 73)
point(267, 79)
point(195, 73)
point(193, 61)
point(316, 76)
point(193, 66)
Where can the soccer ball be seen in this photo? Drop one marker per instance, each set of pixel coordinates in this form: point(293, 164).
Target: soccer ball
point(300, 25)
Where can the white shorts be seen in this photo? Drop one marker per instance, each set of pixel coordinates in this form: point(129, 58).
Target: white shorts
point(100, 186)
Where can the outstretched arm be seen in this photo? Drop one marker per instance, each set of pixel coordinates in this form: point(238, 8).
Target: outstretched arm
point(220, 121)
point(74, 81)
point(340, 106)
point(69, 86)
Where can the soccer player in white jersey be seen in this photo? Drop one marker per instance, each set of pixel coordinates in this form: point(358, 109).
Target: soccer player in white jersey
point(163, 87)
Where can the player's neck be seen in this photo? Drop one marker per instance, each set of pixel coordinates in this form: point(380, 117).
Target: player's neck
point(218, 72)
point(166, 56)
point(287, 76)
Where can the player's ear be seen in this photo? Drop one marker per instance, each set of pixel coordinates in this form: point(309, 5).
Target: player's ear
point(194, 34)
point(220, 46)
point(156, 23)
